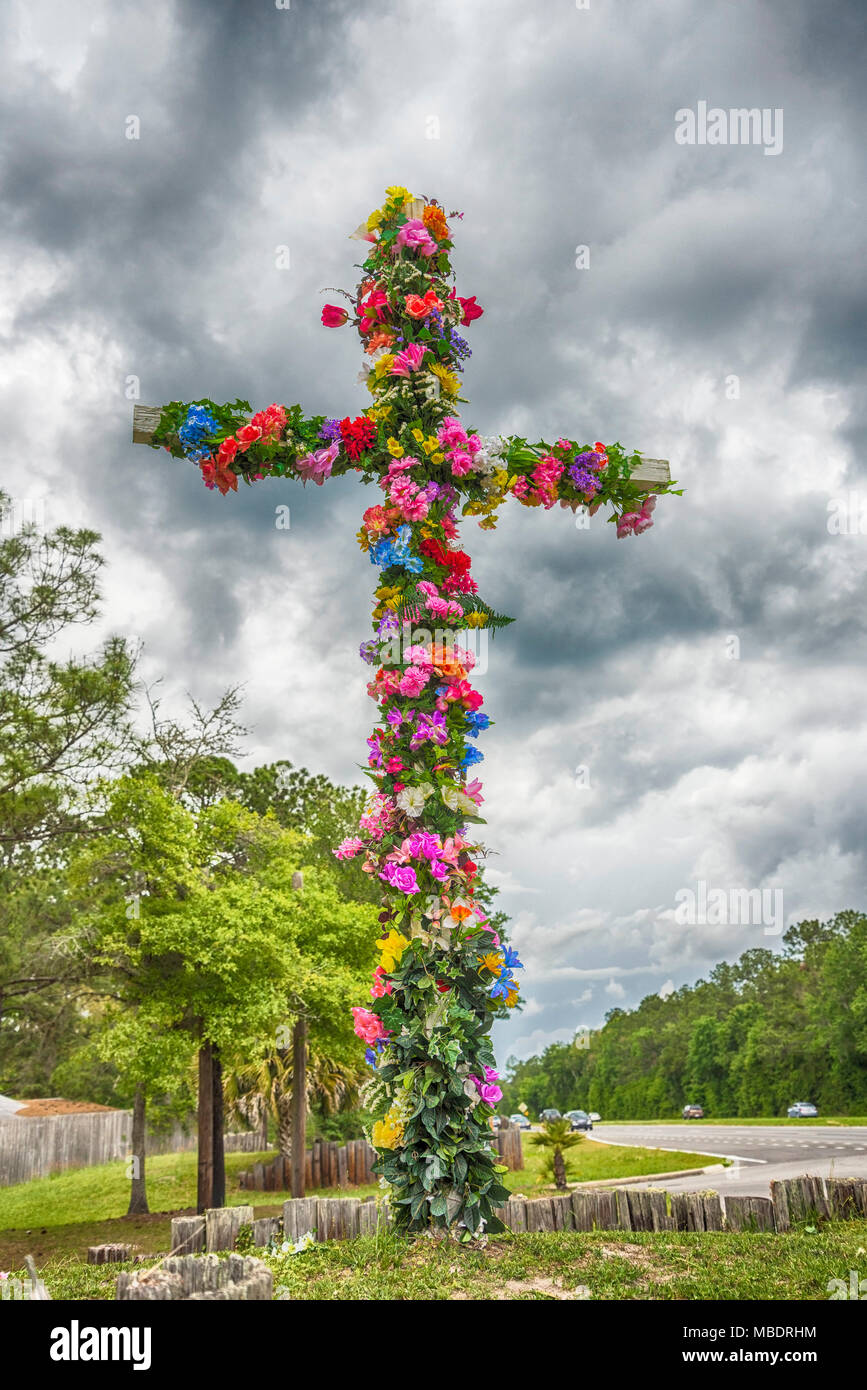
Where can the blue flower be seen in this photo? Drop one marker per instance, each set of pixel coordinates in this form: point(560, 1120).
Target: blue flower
point(476, 721)
point(195, 430)
point(501, 987)
point(510, 957)
point(472, 755)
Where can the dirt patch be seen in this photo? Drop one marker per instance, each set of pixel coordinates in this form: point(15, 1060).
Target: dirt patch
point(56, 1105)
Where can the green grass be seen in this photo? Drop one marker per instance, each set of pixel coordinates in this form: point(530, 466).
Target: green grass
point(598, 1265)
point(46, 1217)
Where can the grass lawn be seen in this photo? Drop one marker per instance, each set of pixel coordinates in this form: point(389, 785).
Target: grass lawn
point(45, 1218)
point(566, 1265)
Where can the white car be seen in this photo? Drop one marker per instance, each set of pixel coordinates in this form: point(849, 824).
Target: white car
point(594, 1117)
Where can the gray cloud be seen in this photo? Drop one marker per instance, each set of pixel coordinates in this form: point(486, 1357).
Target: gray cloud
point(263, 127)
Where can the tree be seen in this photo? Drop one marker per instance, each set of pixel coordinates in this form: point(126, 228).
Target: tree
point(556, 1137)
point(62, 723)
point(218, 950)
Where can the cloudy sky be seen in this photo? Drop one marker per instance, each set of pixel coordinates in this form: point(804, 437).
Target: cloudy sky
point(681, 709)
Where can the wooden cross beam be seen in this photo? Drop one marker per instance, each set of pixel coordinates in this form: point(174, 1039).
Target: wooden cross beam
point(649, 477)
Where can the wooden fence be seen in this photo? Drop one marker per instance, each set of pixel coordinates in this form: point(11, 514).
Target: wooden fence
point(583, 1209)
point(325, 1165)
point(349, 1165)
point(47, 1144)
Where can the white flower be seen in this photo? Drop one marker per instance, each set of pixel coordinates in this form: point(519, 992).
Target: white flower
point(412, 799)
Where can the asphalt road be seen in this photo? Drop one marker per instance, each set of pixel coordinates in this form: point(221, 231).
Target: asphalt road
point(758, 1152)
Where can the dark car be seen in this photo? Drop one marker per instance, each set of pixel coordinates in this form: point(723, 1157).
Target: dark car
point(520, 1121)
point(547, 1115)
point(693, 1112)
point(802, 1110)
point(579, 1119)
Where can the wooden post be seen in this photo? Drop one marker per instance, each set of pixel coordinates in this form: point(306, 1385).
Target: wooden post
point(138, 1197)
point(219, 1189)
point(299, 1105)
point(205, 1176)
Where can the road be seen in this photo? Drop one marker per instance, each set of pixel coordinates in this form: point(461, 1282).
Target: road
point(758, 1152)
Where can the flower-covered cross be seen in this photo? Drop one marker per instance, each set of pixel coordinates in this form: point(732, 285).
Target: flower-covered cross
point(444, 971)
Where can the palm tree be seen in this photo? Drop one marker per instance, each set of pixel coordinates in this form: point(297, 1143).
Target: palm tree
point(557, 1136)
point(269, 1079)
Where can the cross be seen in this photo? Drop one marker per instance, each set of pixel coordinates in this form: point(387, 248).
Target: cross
point(444, 972)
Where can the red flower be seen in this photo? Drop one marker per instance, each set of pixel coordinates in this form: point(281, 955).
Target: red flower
point(443, 987)
point(247, 435)
point(357, 435)
point(333, 316)
point(227, 451)
point(471, 309)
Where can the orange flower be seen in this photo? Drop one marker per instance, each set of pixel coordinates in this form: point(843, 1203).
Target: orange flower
point(435, 221)
point(443, 659)
point(379, 339)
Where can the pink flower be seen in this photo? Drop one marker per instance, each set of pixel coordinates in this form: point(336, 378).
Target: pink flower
point(394, 765)
point(409, 360)
point(333, 316)
point(489, 1094)
point(368, 1027)
point(461, 462)
point(415, 236)
point(317, 466)
point(348, 848)
point(644, 521)
point(413, 682)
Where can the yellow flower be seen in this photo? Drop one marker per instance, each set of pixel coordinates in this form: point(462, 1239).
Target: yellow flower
point(363, 539)
point(450, 383)
point(388, 1132)
point(501, 478)
point(511, 999)
point(493, 961)
point(392, 947)
point(387, 591)
point(489, 523)
point(439, 458)
point(398, 194)
point(418, 436)
point(433, 441)
point(374, 219)
point(476, 619)
point(395, 448)
point(383, 365)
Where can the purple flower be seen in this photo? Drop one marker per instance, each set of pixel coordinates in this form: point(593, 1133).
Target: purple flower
point(330, 430)
point(400, 876)
point(584, 480)
point(369, 651)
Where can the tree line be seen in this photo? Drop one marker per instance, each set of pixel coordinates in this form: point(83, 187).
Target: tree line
point(772, 1028)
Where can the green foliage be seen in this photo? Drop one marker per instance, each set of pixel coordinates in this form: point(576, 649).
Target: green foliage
point(771, 1028)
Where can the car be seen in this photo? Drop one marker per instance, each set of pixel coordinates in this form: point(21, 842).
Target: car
point(520, 1121)
point(496, 1121)
point(579, 1119)
point(547, 1115)
point(594, 1117)
point(693, 1112)
point(802, 1110)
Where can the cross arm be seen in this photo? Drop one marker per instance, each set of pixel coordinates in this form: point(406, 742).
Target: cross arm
point(229, 442)
point(571, 473)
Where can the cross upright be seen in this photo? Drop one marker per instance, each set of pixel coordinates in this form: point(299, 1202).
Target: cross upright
point(444, 972)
